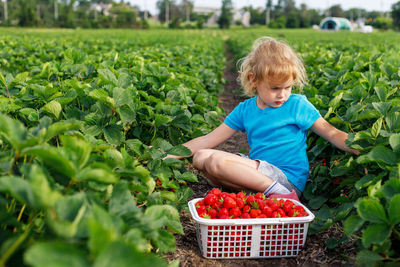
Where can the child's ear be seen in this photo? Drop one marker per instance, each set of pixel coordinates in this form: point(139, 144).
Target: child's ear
point(252, 80)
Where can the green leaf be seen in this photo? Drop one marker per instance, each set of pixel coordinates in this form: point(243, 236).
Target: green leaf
point(376, 127)
point(381, 92)
point(334, 103)
point(324, 213)
point(368, 257)
point(55, 254)
point(383, 154)
point(134, 145)
point(188, 176)
point(317, 202)
point(17, 188)
point(161, 119)
point(114, 134)
point(2, 80)
point(332, 243)
point(353, 224)
point(122, 202)
point(53, 158)
point(394, 141)
point(76, 149)
point(394, 210)
point(371, 210)
point(143, 174)
point(98, 172)
point(45, 196)
point(180, 150)
point(13, 131)
point(393, 120)
point(119, 254)
point(375, 234)
point(107, 76)
point(99, 236)
point(168, 195)
point(382, 107)
point(155, 212)
point(61, 127)
point(102, 96)
point(121, 97)
point(20, 78)
point(113, 157)
point(165, 241)
point(53, 107)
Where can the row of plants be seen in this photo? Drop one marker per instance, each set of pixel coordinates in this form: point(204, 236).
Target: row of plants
point(85, 120)
point(354, 83)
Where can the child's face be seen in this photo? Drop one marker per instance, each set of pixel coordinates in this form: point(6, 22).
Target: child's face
point(273, 95)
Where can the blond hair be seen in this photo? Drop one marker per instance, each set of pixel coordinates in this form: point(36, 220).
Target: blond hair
point(270, 61)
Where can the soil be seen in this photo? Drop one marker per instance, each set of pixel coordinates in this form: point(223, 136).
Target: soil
point(315, 251)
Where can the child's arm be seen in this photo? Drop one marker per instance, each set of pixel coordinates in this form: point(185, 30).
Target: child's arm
point(331, 134)
point(210, 140)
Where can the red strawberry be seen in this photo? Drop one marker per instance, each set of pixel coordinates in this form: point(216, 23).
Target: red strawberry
point(223, 212)
point(235, 212)
point(213, 213)
point(254, 213)
point(246, 209)
point(240, 195)
point(215, 191)
point(229, 203)
point(250, 199)
point(259, 195)
point(246, 215)
point(288, 205)
point(240, 202)
point(210, 199)
point(267, 211)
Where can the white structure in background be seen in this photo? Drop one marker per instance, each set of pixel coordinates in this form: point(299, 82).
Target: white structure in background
point(366, 29)
point(216, 12)
point(242, 16)
point(238, 15)
point(98, 8)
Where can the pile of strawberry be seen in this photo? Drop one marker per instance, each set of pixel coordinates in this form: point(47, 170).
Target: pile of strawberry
point(223, 205)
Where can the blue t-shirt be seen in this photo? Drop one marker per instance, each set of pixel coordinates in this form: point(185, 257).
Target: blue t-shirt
point(278, 135)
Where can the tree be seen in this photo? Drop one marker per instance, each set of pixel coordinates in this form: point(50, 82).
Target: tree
point(305, 20)
point(315, 16)
point(278, 10)
point(355, 13)
point(125, 16)
point(167, 10)
point(26, 13)
point(5, 11)
point(396, 14)
point(268, 9)
point(225, 20)
point(336, 11)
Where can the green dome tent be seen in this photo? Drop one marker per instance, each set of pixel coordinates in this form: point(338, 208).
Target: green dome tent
point(335, 24)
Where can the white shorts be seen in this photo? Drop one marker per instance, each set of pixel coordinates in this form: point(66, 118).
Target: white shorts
point(273, 172)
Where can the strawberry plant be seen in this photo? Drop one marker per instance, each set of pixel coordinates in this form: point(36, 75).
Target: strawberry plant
point(84, 126)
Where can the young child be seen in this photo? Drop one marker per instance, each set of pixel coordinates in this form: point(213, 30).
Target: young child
point(276, 122)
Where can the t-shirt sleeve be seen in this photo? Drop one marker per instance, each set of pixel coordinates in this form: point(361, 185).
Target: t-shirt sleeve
point(235, 118)
point(307, 114)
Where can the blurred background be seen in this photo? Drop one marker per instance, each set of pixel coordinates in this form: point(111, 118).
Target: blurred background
point(144, 14)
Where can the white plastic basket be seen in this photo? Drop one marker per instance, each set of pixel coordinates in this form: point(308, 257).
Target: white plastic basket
point(251, 238)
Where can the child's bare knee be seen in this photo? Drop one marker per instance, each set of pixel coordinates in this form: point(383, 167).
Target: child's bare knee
point(200, 157)
point(213, 164)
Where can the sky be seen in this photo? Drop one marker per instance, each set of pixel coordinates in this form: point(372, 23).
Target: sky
point(377, 5)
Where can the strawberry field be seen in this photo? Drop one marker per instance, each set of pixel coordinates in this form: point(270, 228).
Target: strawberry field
point(87, 116)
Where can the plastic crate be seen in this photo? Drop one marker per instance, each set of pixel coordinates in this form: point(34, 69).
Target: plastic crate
point(250, 238)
